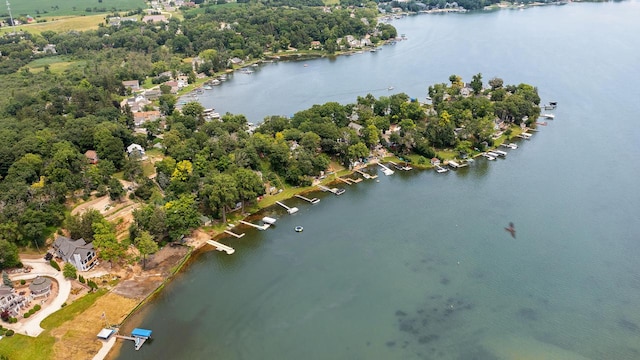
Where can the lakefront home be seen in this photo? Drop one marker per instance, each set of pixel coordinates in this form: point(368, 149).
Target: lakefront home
point(10, 301)
point(76, 252)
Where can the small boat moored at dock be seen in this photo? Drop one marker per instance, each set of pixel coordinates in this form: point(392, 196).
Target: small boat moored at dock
point(440, 169)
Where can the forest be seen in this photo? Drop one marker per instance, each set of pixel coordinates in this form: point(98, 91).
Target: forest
point(50, 119)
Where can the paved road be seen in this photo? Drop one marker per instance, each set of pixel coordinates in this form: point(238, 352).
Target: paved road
point(41, 267)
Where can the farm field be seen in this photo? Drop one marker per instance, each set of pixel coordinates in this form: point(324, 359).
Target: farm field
point(61, 24)
point(57, 64)
point(68, 7)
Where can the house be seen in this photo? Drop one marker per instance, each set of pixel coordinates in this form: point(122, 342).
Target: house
point(435, 161)
point(92, 156)
point(152, 94)
point(316, 45)
point(49, 49)
point(135, 148)
point(133, 85)
point(236, 61)
point(173, 85)
point(356, 127)
point(11, 302)
point(142, 117)
point(154, 19)
point(40, 287)
point(76, 252)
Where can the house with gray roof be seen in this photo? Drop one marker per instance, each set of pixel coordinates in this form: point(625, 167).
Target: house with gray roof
point(11, 302)
point(77, 252)
point(40, 287)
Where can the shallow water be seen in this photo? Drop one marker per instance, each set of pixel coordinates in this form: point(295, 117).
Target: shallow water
point(418, 265)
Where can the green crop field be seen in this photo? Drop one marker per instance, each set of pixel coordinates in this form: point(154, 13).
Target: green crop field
point(37, 8)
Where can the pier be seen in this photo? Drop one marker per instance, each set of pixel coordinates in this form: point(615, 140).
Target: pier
point(456, 165)
point(259, 227)
point(221, 247)
point(335, 191)
point(138, 336)
point(234, 234)
point(500, 153)
point(400, 167)
point(349, 181)
point(386, 170)
point(365, 175)
point(313, 201)
point(525, 136)
point(290, 210)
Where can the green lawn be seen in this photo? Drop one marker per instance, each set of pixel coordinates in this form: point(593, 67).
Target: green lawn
point(37, 8)
point(21, 347)
point(57, 64)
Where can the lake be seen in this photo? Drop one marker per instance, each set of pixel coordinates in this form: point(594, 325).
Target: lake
point(417, 265)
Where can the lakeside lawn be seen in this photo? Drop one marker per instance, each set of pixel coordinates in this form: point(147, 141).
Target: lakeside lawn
point(37, 8)
point(22, 347)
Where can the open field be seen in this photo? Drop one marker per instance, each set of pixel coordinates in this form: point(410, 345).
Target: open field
point(57, 64)
point(60, 24)
point(68, 7)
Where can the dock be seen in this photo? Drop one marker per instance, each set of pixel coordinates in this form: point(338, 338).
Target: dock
point(456, 165)
point(400, 167)
point(365, 175)
point(234, 234)
point(386, 170)
point(290, 210)
point(489, 157)
point(259, 227)
point(525, 136)
point(500, 152)
point(221, 247)
point(491, 153)
point(349, 181)
point(335, 191)
point(313, 201)
point(138, 336)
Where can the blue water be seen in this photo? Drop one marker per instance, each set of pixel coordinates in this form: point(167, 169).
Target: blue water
point(418, 265)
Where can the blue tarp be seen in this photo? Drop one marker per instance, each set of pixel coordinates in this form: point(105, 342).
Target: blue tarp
point(137, 332)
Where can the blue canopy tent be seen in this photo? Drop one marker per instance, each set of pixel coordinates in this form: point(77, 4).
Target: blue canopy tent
point(141, 333)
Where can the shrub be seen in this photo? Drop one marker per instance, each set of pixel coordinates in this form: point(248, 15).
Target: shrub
point(31, 311)
point(13, 320)
point(63, 304)
point(26, 315)
point(37, 307)
point(81, 279)
point(54, 264)
point(9, 333)
point(23, 281)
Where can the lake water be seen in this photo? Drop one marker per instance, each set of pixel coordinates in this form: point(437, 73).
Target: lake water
point(418, 265)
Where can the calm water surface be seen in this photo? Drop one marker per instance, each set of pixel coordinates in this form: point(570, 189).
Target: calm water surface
point(417, 265)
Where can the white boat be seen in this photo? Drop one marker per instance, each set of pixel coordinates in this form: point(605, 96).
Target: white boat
point(500, 153)
point(215, 82)
point(489, 157)
point(440, 169)
point(207, 87)
point(512, 146)
point(390, 88)
point(548, 116)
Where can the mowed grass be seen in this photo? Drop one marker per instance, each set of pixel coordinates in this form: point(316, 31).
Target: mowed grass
point(61, 24)
point(21, 347)
point(57, 64)
point(68, 7)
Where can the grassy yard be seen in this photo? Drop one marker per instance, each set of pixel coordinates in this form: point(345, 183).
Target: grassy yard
point(60, 24)
point(37, 8)
point(21, 347)
point(57, 64)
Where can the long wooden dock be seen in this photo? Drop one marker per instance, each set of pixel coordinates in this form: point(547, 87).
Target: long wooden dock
point(313, 201)
point(335, 191)
point(290, 210)
point(365, 175)
point(259, 227)
point(137, 341)
point(221, 247)
point(234, 234)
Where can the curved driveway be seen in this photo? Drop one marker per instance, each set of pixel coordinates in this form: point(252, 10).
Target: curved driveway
point(41, 267)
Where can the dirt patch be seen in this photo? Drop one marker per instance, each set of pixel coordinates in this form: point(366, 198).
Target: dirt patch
point(138, 284)
point(76, 339)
